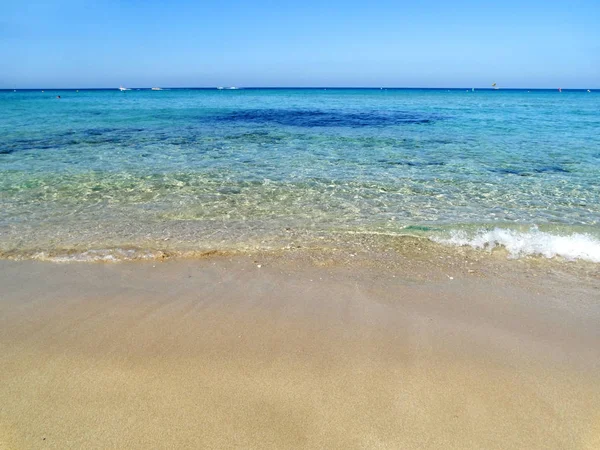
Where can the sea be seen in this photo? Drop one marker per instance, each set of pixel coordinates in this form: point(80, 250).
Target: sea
point(109, 175)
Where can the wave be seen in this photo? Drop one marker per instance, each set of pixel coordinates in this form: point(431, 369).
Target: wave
point(529, 243)
point(518, 243)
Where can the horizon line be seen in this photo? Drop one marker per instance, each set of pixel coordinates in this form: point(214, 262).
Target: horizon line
point(302, 87)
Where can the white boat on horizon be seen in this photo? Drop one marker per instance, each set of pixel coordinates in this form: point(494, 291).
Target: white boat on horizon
point(156, 89)
point(121, 88)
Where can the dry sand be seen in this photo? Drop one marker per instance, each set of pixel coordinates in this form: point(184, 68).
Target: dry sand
point(221, 353)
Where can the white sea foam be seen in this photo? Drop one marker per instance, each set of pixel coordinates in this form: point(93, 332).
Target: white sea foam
point(530, 243)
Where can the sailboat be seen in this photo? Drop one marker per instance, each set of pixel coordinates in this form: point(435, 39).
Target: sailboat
point(494, 86)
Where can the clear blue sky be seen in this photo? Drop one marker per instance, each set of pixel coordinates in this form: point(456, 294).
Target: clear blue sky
point(429, 43)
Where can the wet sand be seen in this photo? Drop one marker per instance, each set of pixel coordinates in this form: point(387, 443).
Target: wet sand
point(298, 353)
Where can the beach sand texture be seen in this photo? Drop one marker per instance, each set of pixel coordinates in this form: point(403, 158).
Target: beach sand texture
point(222, 353)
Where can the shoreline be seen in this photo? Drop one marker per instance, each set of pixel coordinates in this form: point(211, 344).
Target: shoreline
point(577, 249)
point(301, 350)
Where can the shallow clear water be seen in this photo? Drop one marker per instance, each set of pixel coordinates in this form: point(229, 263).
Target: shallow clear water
point(209, 169)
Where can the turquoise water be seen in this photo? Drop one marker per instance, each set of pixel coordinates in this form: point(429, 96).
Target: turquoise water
point(140, 171)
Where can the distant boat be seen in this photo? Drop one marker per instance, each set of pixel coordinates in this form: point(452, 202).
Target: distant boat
point(156, 89)
point(494, 86)
point(232, 88)
point(121, 88)
point(588, 91)
point(220, 88)
point(559, 90)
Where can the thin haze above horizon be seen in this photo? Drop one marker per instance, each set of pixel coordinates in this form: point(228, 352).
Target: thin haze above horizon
point(517, 44)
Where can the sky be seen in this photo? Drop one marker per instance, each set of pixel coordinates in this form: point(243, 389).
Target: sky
point(206, 43)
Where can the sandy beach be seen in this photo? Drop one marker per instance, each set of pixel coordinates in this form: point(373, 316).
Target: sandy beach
point(279, 352)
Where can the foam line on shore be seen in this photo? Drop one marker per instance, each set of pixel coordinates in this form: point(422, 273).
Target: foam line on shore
point(575, 246)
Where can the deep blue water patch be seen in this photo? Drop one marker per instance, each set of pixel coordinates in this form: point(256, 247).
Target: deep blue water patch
point(260, 137)
point(529, 171)
point(311, 118)
point(27, 144)
point(98, 131)
point(412, 163)
point(91, 136)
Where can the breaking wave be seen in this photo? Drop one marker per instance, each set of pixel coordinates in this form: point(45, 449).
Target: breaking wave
point(529, 243)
